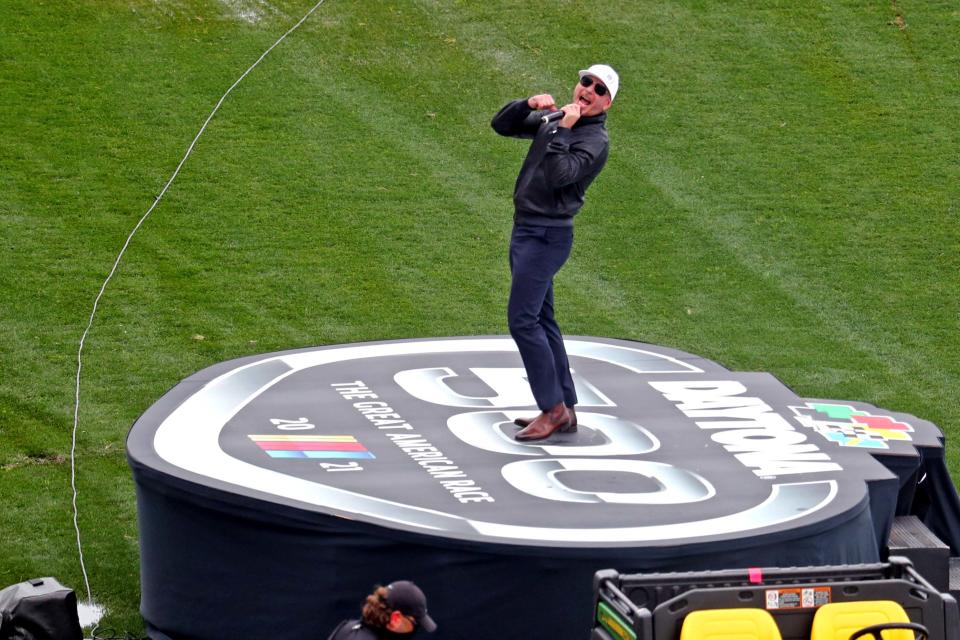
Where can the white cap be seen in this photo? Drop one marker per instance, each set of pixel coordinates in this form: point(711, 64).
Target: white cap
point(606, 75)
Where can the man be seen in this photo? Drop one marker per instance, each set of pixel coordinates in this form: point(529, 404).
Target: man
point(395, 611)
point(566, 154)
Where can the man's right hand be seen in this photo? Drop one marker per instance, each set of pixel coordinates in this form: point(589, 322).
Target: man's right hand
point(542, 101)
point(571, 113)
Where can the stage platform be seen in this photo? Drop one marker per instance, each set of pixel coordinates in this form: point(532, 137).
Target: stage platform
point(276, 490)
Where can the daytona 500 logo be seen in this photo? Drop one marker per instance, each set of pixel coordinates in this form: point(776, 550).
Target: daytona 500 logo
point(417, 435)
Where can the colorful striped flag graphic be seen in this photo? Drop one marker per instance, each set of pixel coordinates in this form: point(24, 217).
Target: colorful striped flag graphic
point(303, 446)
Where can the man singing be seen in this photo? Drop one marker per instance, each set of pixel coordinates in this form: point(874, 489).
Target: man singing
point(566, 154)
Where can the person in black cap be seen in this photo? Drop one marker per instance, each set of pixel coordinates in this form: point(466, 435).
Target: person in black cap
point(395, 611)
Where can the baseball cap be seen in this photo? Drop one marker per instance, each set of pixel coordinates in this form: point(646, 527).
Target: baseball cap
point(607, 76)
point(408, 599)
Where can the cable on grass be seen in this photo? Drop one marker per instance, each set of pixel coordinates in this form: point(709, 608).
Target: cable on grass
point(113, 634)
point(116, 263)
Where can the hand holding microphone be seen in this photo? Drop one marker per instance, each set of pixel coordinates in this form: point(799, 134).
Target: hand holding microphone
point(543, 101)
point(568, 115)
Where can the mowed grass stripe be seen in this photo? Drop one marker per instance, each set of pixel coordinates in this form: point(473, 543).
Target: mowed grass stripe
point(689, 180)
point(459, 220)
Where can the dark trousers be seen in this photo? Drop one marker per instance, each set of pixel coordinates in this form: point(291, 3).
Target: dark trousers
point(536, 255)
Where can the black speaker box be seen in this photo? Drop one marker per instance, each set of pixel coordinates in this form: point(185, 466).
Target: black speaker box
point(39, 609)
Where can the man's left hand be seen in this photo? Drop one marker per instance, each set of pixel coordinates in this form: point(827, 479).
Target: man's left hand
point(571, 113)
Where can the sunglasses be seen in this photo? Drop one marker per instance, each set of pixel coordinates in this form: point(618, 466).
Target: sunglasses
point(600, 89)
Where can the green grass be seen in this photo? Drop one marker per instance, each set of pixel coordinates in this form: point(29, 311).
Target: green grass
point(782, 195)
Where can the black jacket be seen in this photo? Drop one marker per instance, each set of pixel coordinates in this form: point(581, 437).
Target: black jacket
point(560, 164)
point(356, 630)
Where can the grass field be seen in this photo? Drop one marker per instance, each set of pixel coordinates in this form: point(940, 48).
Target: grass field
point(783, 195)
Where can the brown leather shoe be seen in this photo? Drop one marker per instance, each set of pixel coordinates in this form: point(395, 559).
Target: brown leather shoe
point(523, 422)
point(556, 419)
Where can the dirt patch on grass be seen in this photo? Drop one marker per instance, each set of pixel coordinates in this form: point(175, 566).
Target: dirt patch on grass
point(898, 20)
point(21, 460)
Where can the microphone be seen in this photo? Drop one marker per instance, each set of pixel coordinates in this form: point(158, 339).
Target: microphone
point(550, 117)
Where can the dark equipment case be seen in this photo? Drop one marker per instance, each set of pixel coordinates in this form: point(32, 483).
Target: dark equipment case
point(39, 609)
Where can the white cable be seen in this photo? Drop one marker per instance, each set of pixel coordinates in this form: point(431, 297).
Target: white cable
point(116, 263)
